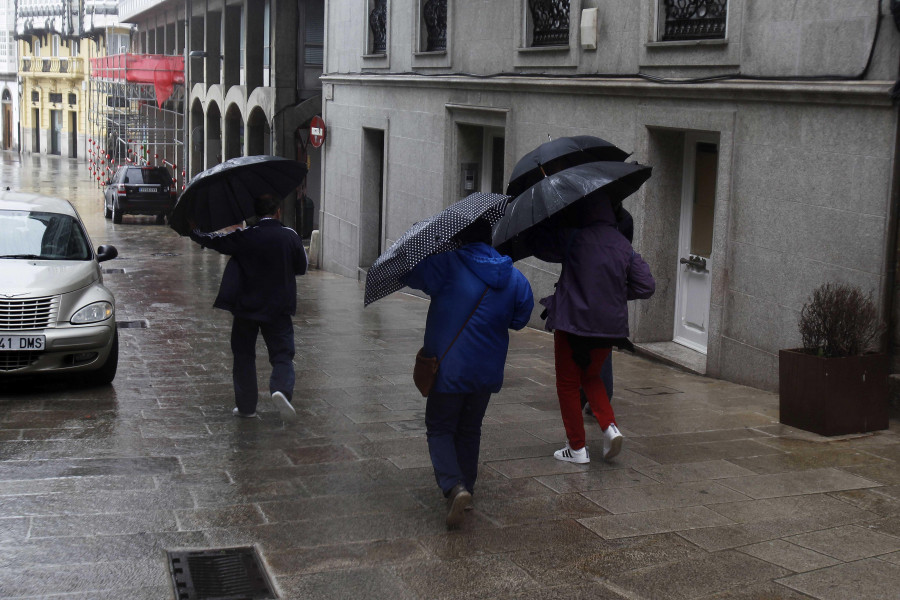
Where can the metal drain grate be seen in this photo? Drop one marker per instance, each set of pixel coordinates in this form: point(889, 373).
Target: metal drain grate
point(139, 324)
point(165, 254)
point(222, 574)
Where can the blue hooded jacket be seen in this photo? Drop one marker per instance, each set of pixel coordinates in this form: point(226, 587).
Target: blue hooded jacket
point(455, 281)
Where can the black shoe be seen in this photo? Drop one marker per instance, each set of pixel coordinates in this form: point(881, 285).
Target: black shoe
point(459, 498)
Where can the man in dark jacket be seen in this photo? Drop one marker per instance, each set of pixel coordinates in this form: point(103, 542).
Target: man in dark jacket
point(259, 288)
point(473, 278)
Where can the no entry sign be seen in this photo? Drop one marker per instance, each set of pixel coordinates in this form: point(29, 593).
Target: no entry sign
point(317, 131)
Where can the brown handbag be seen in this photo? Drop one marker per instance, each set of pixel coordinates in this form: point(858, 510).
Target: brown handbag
point(425, 371)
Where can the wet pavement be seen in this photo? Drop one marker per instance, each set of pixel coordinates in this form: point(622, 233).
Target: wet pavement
point(710, 498)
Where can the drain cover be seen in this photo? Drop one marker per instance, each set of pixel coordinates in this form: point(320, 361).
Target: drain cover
point(139, 324)
point(165, 254)
point(220, 574)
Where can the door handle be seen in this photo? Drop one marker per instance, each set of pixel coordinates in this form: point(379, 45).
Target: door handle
point(694, 262)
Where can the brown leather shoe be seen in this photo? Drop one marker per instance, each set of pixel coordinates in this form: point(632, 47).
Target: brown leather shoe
point(459, 499)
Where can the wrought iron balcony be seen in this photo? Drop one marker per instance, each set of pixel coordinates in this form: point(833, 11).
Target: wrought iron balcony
point(378, 25)
point(694, 20)
point(550, 20)
point(52, 66)
point(434, 13)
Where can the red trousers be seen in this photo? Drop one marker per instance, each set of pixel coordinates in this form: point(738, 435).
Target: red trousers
point(570, 379)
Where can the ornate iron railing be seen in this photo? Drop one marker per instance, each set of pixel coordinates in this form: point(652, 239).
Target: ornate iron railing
point(550, 20)
point(434, 13)
point(378, 25)
point(694, 19)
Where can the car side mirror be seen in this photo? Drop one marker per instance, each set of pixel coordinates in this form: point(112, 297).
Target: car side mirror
point(106, 252)
point(108, 181)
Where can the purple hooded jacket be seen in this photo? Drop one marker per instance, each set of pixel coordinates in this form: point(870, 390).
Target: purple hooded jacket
point(600, 273)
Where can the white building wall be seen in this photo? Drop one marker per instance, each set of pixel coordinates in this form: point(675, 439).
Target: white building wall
point(806, 167)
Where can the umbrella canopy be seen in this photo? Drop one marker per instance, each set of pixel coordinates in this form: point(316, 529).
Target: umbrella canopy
point(556, 155)
point(566, 194)
point(223, 195)
point(429, 236)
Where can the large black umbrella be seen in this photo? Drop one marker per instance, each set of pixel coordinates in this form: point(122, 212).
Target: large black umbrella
point(564, 196)
point(223, 195)
point(429, 236)
point(556, 155)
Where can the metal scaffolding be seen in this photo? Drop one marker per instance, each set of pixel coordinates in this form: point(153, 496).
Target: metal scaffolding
point(136, 114)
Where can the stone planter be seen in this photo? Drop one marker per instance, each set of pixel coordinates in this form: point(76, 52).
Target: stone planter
point(833, 396)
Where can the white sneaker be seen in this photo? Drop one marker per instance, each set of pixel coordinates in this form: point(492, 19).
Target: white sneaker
point(612, 442)
point(576, 456)
point(238, 413)
point(285, 409)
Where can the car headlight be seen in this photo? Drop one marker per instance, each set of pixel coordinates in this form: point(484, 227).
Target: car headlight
point(92, 313)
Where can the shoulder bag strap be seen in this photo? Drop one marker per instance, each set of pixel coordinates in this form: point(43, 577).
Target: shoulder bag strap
point(483, 294)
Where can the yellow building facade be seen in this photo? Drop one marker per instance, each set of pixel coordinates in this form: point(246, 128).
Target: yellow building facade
point(55, 102)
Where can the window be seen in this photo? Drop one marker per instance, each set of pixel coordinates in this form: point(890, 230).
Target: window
point(433, 26)
point(686, 20)
point(315, 34)
point(549, 22)
point(54, 45)
point(37, 46)
point(378, 27)
point(73, 99)
point(35, 96)
point(55, 97)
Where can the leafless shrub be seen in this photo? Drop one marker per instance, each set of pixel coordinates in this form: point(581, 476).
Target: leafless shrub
point(839, 320)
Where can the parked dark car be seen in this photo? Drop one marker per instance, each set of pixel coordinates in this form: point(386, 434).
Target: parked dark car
point(136, 190)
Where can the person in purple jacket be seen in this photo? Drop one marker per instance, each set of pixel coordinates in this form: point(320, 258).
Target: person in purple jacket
point(588, 314)
point(474, 277)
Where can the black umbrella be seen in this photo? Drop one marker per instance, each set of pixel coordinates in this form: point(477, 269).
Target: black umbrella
point(564, 196)
point(429, 236)
point(556, 155)
point(223, 195)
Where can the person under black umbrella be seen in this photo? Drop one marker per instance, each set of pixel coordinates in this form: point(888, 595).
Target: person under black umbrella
point(477, 295)
point(259, 288)
point(588, 313)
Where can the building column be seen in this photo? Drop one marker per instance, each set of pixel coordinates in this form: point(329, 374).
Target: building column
point(213, 47)
point(253, 46)
point(232, 50)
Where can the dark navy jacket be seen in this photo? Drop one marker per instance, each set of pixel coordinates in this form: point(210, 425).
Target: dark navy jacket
point(259, 280)
point(455, 281)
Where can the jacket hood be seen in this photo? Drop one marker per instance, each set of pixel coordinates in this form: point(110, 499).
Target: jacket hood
point(45, 277)
point(598, 209)
point(490, 266)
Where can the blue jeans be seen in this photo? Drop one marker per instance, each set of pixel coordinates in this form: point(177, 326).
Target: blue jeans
point(279, 338)
point(453, 427)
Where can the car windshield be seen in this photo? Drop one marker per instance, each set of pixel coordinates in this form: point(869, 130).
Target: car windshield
point(43, 235)
point(145, 176)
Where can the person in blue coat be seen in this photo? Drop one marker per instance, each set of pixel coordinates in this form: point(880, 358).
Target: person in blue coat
point(259, 288)
point(472, 369)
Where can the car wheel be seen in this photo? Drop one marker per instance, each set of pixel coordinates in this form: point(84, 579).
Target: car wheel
point(107, 212)
point(116, 213)
point(105, 374)
point(161, 219)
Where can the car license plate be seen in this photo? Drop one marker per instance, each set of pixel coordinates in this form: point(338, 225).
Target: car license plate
point(21, 342)
point(147, 189)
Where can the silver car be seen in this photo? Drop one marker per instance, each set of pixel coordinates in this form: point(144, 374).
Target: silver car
point(56, 316)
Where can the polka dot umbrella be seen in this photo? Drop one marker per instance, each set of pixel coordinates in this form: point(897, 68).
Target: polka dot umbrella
point(429, 236)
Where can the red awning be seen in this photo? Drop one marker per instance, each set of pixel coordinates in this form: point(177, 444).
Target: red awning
point(157, 69)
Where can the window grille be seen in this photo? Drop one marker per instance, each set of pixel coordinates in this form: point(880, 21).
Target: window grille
point(54, 97)
point(73, 99)
point(550, 20)
point(35, 96)
point(434, 13)
point(378, 26)
point(694, 19)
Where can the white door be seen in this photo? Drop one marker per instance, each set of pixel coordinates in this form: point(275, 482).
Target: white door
point(701, 157)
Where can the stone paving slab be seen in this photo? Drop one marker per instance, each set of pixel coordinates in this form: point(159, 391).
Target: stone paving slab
point(711, 497)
